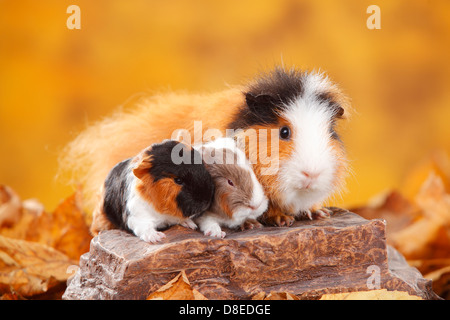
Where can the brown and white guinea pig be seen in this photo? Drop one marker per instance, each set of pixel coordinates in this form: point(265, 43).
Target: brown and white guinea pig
point(150, 191)
point(303, 109)
point(239, 198)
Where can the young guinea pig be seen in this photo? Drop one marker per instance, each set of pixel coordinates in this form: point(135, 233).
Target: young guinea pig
point(149, 191)
point(298, 110)
point(239, 198)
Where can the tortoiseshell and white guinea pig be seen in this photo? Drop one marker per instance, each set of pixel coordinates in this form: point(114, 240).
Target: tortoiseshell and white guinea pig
point(239, 198)
point(148, 192)
point(304, 109)
point(299, 110)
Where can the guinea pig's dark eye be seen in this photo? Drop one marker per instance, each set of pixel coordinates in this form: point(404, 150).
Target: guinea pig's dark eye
point(178, 181)
point(285, 133)
point(230, 183)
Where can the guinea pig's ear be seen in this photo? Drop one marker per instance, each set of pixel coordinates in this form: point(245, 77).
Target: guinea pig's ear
point(339, 112)
point(143, 163)
point(255, 102)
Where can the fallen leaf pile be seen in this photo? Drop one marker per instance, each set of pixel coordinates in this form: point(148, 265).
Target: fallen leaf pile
point(380, 294)
point(419, 226)
point(39, 249)
point(179, 288)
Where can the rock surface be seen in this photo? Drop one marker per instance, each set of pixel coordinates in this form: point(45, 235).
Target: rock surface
point(345, 253)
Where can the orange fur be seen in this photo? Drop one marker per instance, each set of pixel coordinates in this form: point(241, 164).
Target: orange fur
point(342, 167)
point(143, 164)
point(123, 135)
point(276, 216)
point(99, 220)
point(277, 210)
point(224, 205)
point(161, 194)
point(126, 133)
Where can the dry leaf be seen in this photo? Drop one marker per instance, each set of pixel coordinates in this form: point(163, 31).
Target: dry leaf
point(70, 232)
point(398, 211)
point(29, 268)
point(381, 294)
point(433, 226)
point(21, 228)
point(428, 216)
point(420, 230)
point(37, 249)
point(438, 163)
point(33, 205)
point(426, 266)
point(178, 288)
point(259, 296)
point(65, 229)
point(10, 207)
point(434, 200)
point(281, 296)
point(441, 281)
point(10, 296)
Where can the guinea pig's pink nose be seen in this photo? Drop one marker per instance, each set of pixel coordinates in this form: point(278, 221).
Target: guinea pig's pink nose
point(254, 206)
point(310, 174)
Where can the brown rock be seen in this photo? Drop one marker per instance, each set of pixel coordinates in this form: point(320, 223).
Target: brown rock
point(345, 253)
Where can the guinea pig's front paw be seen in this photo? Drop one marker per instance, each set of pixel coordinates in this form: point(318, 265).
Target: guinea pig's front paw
point(319, 213)
point(152, 236)
point(215, 231)
point(250, 224)
point(279, 220)
point(188, 223)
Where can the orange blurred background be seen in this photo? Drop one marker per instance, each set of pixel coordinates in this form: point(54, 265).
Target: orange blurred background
point(54, 81)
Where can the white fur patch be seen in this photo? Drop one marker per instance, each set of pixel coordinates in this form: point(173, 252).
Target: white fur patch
point(144, 219)
point(210, 222)
point(310, 120)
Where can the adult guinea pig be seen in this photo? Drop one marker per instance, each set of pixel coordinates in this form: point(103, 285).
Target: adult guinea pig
point(150, 191)
point(298, 110)
point(239, 198)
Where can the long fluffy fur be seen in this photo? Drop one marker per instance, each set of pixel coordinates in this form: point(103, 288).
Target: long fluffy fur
point(97, 149)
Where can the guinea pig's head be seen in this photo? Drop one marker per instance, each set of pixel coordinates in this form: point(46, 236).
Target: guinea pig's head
point(238, 193)
point(184, 190)
point(301, 111)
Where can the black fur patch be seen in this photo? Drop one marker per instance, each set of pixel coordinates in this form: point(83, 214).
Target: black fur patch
point(267, 96)
point(194, 198)
point(114, 203)
point(338, 111)
point(197, 188)
point(326, 97)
